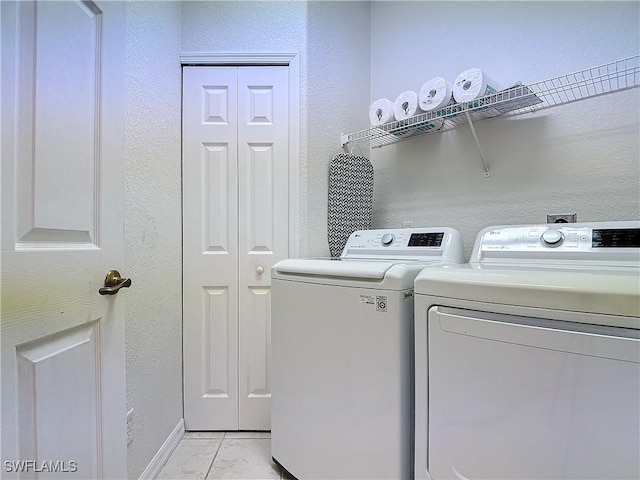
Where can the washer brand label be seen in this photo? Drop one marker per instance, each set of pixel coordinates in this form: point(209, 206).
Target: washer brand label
point(381, 304)
point(367, 299)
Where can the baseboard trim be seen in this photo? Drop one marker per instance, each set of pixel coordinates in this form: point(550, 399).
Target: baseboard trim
point(163, 454)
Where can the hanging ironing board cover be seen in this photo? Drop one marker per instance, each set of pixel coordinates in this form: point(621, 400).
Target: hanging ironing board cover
point(350, 199)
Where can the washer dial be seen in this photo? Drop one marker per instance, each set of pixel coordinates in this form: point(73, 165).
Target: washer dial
point(552, 238)
point(387, 239)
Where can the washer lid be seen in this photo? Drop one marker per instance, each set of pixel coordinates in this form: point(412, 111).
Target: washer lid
point(369, 270)
point(608, 291)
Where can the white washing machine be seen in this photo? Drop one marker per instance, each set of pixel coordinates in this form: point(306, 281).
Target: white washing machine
point(342, 354)
point(528, 358)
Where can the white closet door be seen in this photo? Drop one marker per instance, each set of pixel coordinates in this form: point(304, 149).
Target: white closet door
point(210, 248)
point(236, 196)
point(63, 366)
point(263, 161)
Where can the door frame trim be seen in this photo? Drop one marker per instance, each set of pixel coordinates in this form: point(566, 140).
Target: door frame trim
point(292, 61)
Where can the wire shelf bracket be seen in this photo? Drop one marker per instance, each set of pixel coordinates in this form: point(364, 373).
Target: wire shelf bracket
point(475, 137)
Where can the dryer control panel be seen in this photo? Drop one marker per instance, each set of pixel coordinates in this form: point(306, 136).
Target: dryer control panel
point(612, 242)
point(440, 243)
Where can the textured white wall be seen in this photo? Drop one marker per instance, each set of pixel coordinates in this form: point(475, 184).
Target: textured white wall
point(332, 39)
point(580, 158)
point(338, 91)
point(153, 245)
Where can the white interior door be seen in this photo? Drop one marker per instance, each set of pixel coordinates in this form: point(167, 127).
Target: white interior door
point(210, 248)
point(263, 235)
point(235, 227)
point(63, 375)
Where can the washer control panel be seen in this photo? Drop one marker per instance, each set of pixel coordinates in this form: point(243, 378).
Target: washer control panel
point(555, 241)
point(396, 239)
point(404, 243)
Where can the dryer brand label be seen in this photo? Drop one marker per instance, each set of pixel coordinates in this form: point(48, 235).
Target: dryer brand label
point(367, 299)
point(381, 303)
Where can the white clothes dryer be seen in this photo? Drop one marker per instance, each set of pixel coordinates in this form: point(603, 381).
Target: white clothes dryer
point(342, 354)
point(527, 358)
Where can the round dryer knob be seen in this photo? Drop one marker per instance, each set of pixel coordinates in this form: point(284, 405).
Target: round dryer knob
point(552, 238)
point(387, 239)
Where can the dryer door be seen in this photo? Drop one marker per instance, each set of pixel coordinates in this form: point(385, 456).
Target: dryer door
point(517, 397)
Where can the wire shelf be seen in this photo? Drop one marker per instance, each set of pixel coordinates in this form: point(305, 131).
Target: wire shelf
point(592, 82)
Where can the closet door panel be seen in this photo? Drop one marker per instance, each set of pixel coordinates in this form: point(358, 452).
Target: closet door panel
point(235, 224)
point(210, 247)
point(263, 160)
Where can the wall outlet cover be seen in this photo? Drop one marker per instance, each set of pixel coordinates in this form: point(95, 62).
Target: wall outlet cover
point(562, 218)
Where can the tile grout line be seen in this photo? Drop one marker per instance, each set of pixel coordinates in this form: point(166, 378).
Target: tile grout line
point(214, 456)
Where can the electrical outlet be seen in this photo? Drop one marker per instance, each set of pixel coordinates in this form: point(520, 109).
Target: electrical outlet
point(562, 218)
point(130, 426)
point(407, 223)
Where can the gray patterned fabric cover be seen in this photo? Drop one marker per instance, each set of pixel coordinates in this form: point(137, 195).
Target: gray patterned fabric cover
point(350, 199)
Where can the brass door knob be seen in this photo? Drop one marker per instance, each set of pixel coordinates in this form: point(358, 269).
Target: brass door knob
point(113, 283)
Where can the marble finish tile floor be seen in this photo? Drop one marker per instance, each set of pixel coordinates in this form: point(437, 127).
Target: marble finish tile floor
point(222, 455)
